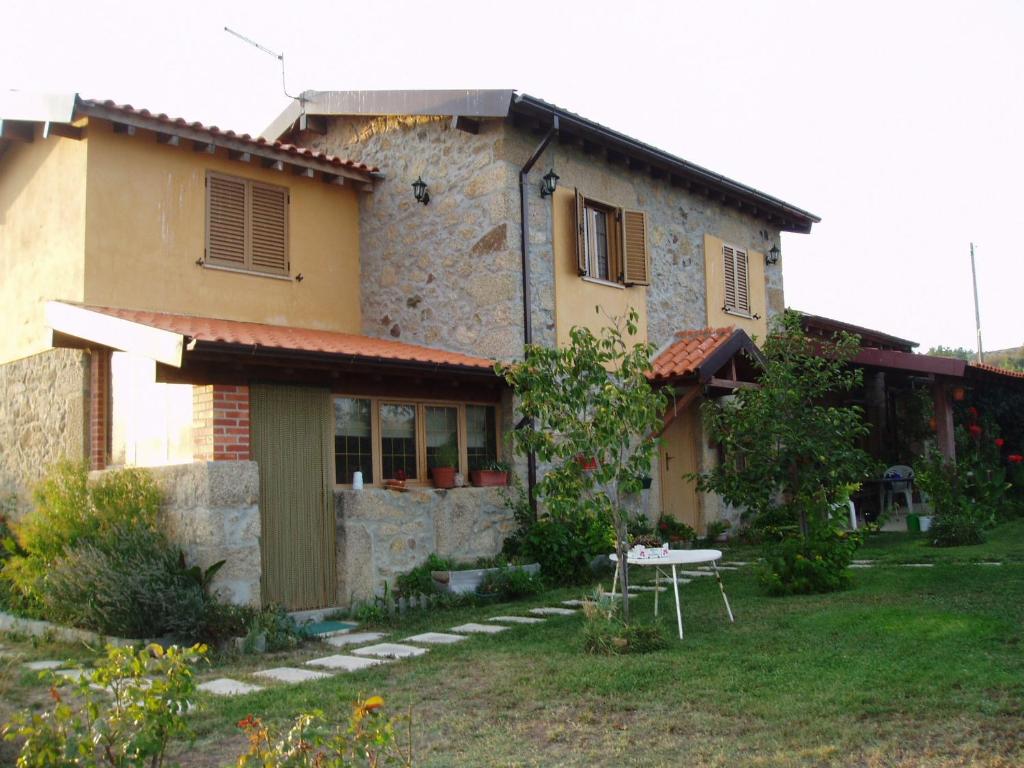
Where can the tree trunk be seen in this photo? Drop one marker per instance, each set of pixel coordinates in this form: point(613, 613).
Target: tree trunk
point(622, 551)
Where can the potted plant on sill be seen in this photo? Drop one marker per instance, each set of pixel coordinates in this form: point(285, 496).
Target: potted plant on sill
point(495, 473)
point(444, 466)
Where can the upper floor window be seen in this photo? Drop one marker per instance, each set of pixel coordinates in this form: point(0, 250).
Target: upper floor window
point(737, 280)
point(246, 224)
point(611, 243)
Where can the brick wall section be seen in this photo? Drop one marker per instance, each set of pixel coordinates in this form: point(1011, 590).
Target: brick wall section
point(99, 408)
point(220, 422)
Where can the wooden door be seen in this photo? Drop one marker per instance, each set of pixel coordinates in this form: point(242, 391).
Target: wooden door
point(680, 454)
point(292, 443)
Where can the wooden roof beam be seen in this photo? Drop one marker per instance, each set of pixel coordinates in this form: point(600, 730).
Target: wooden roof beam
point(126, 129)
point(64, 130)
point(205, 147)
point(239, 156)
point(169, 139)
point(18, 130)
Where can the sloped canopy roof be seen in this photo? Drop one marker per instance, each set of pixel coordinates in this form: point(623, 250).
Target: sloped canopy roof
point(700, 355)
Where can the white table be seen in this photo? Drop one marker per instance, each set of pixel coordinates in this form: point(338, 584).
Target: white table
point(676, 557)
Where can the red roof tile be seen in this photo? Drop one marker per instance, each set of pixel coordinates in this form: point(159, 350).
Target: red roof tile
point(278, 337)
point(291, 150)
point(995, 369)
point(691, 348)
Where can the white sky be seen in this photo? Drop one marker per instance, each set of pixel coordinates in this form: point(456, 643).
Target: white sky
point(899, 123)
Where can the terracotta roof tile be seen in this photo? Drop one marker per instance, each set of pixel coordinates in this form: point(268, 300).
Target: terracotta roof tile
point(995, 369)
point(684, 356)
point(277, 146)
point(278, 337)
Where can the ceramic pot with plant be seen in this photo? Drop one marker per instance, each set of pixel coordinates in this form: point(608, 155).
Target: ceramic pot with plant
point(444, 466)
point(495, 473)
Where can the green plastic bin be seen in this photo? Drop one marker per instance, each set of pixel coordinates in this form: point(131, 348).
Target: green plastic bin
point(913, 523)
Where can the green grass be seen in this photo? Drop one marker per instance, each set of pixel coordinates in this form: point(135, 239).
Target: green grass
point(909, 667)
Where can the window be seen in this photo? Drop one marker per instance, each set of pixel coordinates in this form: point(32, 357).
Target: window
point(246, 225)
point(381, 437)
point(737, 281)
point(611, 243)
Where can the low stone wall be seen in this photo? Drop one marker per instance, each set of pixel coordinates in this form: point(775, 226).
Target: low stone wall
point(211, 510)
point(382, 533)
point(43, 418)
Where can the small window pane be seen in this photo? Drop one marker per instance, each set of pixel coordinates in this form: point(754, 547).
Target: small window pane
point(442, 430)
point(481, 436)
point(353, 442)
point(597, 243)
point(398, 440)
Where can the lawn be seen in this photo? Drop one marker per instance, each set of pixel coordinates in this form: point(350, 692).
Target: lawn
point(909, 667)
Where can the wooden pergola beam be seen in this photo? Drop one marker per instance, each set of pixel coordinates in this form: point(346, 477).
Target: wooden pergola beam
point(18, 130)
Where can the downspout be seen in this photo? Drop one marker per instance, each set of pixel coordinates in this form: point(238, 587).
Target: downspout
point(524, 231)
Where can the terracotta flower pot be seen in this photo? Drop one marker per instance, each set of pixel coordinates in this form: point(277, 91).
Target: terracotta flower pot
point(487, 477)
point(443, 477)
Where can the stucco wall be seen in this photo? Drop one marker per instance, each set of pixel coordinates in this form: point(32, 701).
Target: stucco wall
point(146, 224)
point(42, 236)
point(382, 533)
point(43, 418)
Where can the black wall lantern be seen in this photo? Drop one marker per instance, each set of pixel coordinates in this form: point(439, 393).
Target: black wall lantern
point(772, 257)
point(419, 188)
point(549, 183)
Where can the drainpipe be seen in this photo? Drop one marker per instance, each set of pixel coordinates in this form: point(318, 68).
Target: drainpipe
point(524, 239)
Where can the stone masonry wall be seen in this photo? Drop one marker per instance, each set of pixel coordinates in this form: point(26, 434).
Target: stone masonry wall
point(381, 533)
point(43, 418)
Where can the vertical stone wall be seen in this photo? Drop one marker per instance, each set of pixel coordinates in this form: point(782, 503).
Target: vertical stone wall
point(43, 418)
point(381, 533)
point(211, 510)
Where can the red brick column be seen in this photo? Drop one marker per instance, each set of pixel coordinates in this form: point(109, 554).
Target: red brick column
point(99, 408)
point(220, 422)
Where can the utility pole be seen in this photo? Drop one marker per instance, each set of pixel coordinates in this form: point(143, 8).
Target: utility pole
point(977, 312)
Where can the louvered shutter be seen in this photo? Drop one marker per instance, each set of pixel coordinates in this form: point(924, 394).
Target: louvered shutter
point(225, 221)
point(581, 235)
point(636, 265)
point(729, 257)
point(742, 283)
point(269, 236)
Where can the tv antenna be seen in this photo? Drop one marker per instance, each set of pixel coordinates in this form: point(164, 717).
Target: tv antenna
point(278, 56)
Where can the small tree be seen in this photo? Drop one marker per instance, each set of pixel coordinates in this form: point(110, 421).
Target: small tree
point(592, 415)
point(789, 453)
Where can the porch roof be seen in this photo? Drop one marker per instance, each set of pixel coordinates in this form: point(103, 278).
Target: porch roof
point(168, 338)
point(701, 354)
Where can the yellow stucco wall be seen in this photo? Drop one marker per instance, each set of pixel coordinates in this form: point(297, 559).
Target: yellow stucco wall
point(714, 272)
point(145, 229)
point(576, 298)
point(42, 233)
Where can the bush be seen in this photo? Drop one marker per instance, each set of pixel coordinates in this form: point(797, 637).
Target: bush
point(418, 581)
point(511, 584)
point(815, 564)
point(565, 549)
point(956, 530)
point(675, 531)
point(606, 634)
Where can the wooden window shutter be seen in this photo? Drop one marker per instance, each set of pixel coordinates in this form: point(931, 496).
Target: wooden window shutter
point(581, 235)
point(225, 221)
point(636, 264)
point(729, 257)
point(742, 283)
point(269, 236)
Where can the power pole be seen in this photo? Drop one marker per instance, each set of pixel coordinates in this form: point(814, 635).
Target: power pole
point(977, 312)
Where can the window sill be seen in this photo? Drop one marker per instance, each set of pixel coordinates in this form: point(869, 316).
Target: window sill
point(249, 272)
point(736, 313)
point(606, 283)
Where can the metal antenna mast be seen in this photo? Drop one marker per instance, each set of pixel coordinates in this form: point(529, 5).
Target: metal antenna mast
point(977, 312)
point(278, 56)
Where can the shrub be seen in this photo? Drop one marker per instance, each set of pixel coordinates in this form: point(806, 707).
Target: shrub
point(814, 564)
point(605, 633)
point(675, 531)
point(565, 549)
point(418, 581)
point(511, 584)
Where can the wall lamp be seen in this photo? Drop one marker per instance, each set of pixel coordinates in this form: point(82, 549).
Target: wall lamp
point(772, 257)
point(549, 183)
point(419, 188)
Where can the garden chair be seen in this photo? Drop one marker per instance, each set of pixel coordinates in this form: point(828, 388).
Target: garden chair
point(899, 482)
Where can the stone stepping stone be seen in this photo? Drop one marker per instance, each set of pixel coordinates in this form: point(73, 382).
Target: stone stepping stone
point(735, 562)
point(479, 629)
point(39, 666)
point(861, 565)
point(863, 562)
point(390, 651)
point(988, 563)
point(553, 611)
point(517, 619)
point(354, 638)
point(633, 588)
point(345, 663)
point(574, 603)
point(917, 565)
point(435, 638)
point(721, 568)
point(291, 674)
point(697, 573)
point(617, 595)
point(225, 686)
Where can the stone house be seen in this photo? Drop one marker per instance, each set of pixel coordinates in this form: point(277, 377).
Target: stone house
point(493, 261)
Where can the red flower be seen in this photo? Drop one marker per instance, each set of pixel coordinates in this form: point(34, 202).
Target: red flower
point(1015, 458)
point(975, 430)
point(1000, 442)
point(972, 412)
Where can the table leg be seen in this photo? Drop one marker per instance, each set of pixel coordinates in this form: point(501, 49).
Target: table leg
point(615, 578)
point(722, 588)
point(657, 571)
point(679, 612)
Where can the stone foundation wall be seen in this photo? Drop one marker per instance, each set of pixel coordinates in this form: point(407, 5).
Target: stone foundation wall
point(43, 418)
point(382, 534)
point(211, 510)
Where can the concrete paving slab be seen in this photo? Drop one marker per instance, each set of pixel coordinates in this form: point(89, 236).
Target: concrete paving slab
point(574, 603)
point(39, 666)
point(647, 589)
point(345, 663)
point(225, 686)
point(989, 563)
point(696, 573)
point(291, 674)
point(479, 629)
point(861, 565)
point(354, 638)
point(390, 651)
point(517, 619)
point(917, 565)
point(435, 638)
point(553, 611)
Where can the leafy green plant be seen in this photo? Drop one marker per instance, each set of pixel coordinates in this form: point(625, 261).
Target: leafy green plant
point(128, 722)
point(418, 581)
point(675, 531)
point(282, 632)
point(639, 525)
point(804, 565)
point(447, 455)
point(606, 634)
point(511, 584)
point(714, 529)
